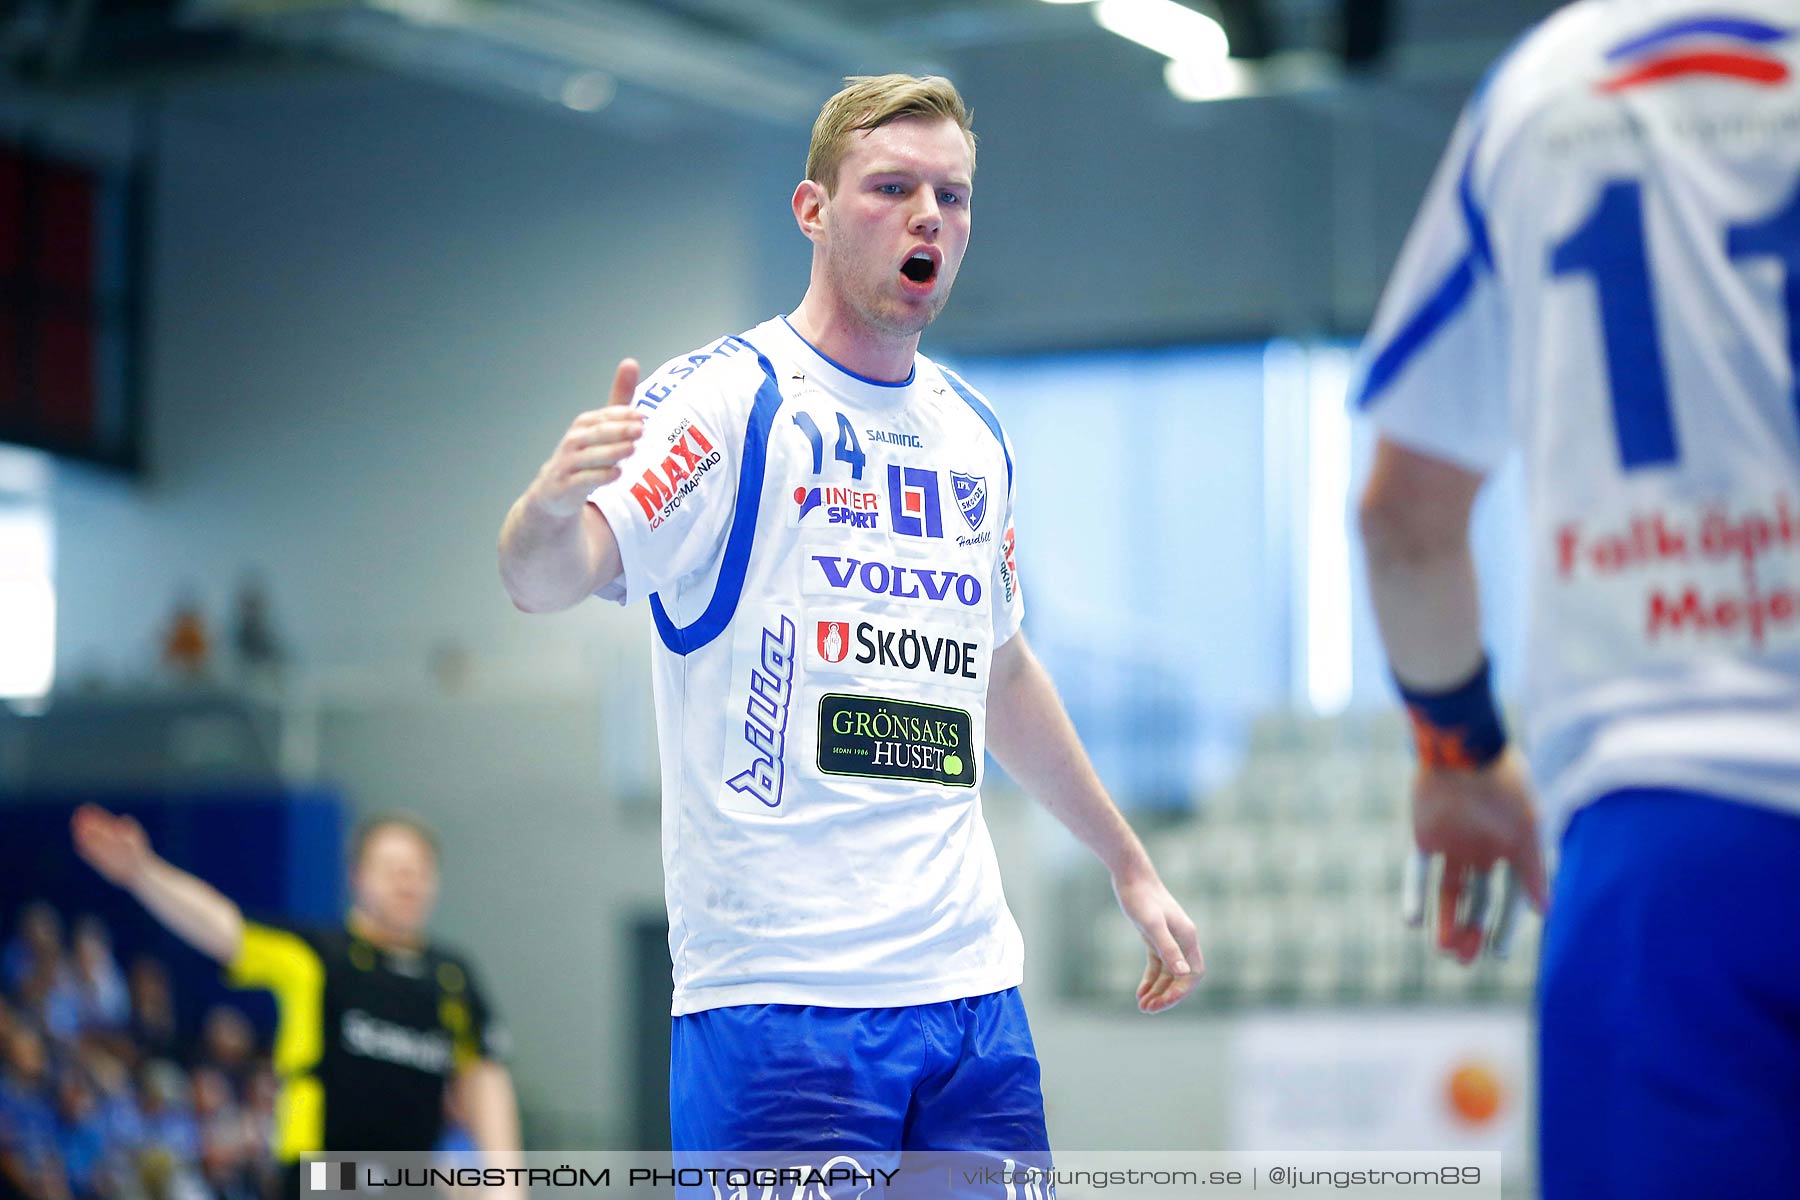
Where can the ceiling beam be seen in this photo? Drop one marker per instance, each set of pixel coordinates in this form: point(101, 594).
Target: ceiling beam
point(644, 47)
point(816, 28)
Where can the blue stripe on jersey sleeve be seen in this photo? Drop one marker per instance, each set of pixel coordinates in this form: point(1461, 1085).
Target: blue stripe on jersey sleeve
point(1448, 297)
point(1732, 27)
point(1443, 304)
point(1480, 247)
point(985, 413)
point(741, 540)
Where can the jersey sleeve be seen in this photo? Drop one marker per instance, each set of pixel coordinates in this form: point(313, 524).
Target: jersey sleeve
point(671, 506)
point(290, 963)
point(475, 1027)
point(1009, 598)
point(273, 953)
point(1432, 374)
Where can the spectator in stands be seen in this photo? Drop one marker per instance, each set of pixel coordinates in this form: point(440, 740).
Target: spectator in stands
point(116, 1111)
point(227, 1145)
point(71, 1123)
point(30, 1167)
point(168, 1120)
point(101, 997)
point(38, 973)
point(154, 1030)
point(37, 944)
point(80, 1136)
point(259, 1125)
point(228, 1044)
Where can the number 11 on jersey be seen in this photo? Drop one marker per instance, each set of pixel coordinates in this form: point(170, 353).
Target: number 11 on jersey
point(1611, 246)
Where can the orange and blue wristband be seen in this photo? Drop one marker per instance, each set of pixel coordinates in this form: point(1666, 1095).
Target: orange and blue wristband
point(1459, 729)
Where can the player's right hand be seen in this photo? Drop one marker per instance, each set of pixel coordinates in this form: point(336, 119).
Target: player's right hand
point(115, 846)
point(1474, 821)
point(590, 452)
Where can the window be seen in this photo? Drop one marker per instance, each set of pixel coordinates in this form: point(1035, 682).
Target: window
point(68, 304)
point(1187, 552)
point(27, 600)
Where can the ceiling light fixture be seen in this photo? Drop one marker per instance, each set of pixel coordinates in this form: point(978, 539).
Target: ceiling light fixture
point(589, 91)
point(1209, 79)
point(1172, 30)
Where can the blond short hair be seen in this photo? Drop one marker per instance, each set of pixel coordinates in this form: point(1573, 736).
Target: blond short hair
point(871, 101)
point(412, 823)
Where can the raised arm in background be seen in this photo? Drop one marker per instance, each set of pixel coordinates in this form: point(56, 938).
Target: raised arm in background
point(193, 909)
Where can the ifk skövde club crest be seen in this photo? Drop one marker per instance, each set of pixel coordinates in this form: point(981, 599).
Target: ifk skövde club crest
point(971, 496)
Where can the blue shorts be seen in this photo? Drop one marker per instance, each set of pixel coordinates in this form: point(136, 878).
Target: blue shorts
point(1669, 1002)
point(956, 1075)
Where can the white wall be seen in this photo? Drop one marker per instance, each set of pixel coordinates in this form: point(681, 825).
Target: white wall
point(374, 308)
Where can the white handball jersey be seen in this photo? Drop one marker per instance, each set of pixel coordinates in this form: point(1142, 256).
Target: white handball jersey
point(829, 562)
point(1606, 273)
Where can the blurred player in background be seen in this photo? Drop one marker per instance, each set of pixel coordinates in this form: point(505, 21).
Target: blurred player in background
point(822, 519)
point(374, 1019)
point(1606, 275)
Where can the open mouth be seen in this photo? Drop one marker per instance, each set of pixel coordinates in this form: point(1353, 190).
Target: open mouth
point(920, 268)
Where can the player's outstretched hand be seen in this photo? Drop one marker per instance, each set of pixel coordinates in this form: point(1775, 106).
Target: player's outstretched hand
point(590, 452)
point(1175, 964)
point(1475, 821)
point(115, 846)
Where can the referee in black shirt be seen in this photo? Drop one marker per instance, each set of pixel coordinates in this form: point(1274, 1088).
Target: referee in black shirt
point(374, 1020)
